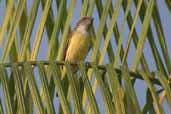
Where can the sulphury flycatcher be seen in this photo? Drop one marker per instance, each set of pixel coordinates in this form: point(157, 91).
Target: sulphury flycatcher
point(79, 41)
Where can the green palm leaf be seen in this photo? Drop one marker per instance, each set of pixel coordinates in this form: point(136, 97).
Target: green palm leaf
point(123, 31)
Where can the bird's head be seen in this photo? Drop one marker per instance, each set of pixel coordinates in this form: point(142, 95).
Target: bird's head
point(84, 24)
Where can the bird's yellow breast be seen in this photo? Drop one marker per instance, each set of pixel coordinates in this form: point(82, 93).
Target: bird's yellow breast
point(78, 47)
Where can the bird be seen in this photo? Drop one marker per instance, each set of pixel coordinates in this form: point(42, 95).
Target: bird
point(78, 43)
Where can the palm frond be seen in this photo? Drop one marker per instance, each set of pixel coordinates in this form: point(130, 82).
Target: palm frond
point(125, 33)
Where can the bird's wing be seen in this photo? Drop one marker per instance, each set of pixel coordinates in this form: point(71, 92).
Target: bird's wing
point(67, 45)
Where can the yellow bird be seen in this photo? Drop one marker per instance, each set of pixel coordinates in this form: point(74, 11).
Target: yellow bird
point(78, 45)
point(79, 42)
